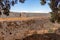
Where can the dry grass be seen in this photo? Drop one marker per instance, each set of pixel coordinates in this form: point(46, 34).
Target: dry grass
point(21, 18)
point(20, 27)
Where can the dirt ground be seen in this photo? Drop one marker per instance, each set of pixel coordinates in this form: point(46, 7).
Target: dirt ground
point(18, 28)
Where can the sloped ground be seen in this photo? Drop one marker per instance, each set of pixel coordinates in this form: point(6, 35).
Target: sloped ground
point(19, 28)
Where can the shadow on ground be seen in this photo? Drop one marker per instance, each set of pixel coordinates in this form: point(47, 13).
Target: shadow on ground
point(47, 36)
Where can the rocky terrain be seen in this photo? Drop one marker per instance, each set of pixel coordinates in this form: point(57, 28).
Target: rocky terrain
point(20, 28)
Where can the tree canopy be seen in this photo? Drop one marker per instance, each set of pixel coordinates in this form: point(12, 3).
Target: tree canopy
point(5, 5)
point(55, 15)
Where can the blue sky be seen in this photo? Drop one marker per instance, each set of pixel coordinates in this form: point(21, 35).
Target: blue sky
point(31, 6)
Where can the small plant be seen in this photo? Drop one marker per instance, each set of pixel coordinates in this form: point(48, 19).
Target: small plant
point(50, 31)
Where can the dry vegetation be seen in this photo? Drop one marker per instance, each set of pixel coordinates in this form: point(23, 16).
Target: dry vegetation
point(22, 27)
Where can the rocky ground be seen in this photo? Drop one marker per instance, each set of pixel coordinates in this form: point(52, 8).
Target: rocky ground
point(20, 28)
point(11, 30)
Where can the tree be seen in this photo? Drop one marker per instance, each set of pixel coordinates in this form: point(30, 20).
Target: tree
point(54, 14)
point(5, 5)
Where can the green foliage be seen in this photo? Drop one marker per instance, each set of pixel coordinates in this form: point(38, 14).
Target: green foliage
point(53, 19)
point(58, 20)
point(5, 5)
point(54, 14)
point(43, 2)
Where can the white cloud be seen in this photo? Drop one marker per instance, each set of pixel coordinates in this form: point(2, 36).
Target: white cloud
point(35, 11)
point(32, 11)
point(24, 11)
